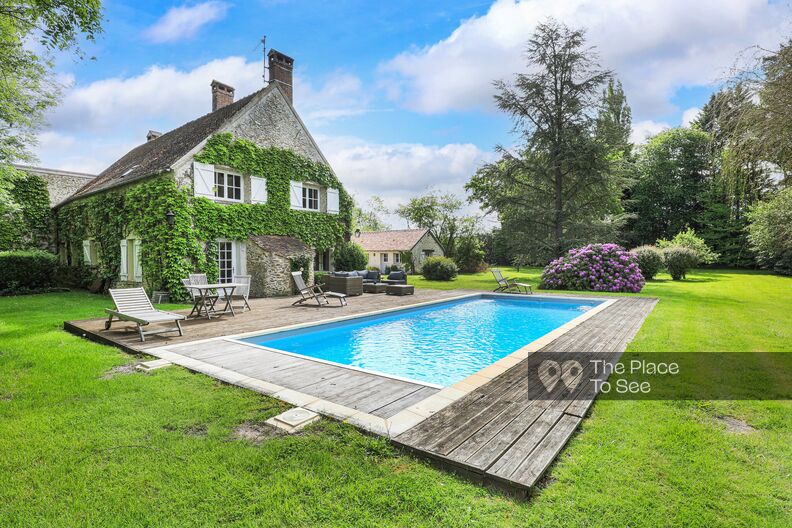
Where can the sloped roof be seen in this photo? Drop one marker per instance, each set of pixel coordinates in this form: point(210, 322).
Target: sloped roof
point(54, 172)
point(284, 246)
point(158, 155)
point(397, 240)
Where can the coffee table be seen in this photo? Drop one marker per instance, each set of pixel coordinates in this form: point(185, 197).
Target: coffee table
point(399, 289)
point(374, 287)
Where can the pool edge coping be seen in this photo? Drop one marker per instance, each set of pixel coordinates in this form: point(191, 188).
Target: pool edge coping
point(406, 418)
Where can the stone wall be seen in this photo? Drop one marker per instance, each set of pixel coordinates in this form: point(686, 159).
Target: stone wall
point(60, 184)
point(272, 123)
point(426, 242)
point(271, 273)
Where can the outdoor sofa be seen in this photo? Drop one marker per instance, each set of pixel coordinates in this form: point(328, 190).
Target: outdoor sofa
point(396, 277)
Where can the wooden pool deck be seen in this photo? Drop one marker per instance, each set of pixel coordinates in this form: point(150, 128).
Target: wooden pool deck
point(507, 431)
point(496, 427)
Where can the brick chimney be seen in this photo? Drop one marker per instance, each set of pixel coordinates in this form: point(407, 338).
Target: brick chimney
point(152, 134)
point(280, 71)
point(222, 95)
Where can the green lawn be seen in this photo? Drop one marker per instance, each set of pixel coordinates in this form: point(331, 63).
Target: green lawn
point(713, 310)
point(157, 449)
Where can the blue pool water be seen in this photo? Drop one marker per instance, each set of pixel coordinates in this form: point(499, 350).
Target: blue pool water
point(439, 344)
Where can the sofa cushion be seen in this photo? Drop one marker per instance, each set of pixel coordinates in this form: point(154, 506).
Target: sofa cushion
point(340, 274)
point(372, 275)
point(397, 275)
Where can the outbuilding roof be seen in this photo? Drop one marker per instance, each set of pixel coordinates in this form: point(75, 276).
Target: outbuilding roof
point(396, 240)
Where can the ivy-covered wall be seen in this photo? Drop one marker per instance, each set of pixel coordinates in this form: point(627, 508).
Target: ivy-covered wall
point(168, 253)
point(29, 227)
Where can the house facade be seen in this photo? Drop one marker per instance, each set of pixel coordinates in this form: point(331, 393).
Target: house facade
point(388, 248)
point(193, 199)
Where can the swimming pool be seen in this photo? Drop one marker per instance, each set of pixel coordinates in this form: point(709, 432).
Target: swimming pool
point(437, 344)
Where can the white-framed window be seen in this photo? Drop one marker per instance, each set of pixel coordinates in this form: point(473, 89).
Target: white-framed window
point(310, 198)
point(397, 258)
point(322, 260)
point(131, 263)
point(227, 186)
point(226, 260)
point(384, 257)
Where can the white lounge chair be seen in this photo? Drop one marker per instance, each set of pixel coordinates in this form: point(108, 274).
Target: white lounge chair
point(314, 293)
point(510, 285)
point(132, 304)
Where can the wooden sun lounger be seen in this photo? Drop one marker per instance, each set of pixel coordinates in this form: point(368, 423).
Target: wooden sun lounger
point(132, 304)
point(314, 293)
point(509, 285)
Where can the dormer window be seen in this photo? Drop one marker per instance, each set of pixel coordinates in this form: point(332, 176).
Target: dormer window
point(228, 186)
point(310, 198)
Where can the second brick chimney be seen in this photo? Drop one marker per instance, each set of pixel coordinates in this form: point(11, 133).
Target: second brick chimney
point(222, 95)
point(280, 71)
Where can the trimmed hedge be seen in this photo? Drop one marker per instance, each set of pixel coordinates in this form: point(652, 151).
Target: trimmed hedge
point(650, 260)
point(679, 260)
point(439, 268)
point(27, 270)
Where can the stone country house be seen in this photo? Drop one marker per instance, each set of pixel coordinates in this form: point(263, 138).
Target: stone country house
point(242, 190)
point(388, 248)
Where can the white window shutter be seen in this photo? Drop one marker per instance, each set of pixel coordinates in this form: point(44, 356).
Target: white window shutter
point(258, 190)
point(203, 179)
point(123, 273)
point(137, 264)
point(296, 195)
point(87, 252)
point(332, 201)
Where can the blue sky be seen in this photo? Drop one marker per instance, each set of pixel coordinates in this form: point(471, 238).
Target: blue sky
point(398, 94)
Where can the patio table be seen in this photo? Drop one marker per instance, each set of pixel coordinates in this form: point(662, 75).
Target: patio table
point(204, 306)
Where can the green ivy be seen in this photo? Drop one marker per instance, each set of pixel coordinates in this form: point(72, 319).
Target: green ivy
point(169, 253)
point(30, 226)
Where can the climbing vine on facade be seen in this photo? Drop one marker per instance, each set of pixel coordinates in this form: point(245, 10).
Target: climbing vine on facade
point(170, 252)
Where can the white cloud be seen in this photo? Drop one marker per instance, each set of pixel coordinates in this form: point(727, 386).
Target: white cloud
point(341, 95)
point(100, 121)
point(183, 22)
point(643, 130)
point(690, 115)
point(654, 47)
point(397, 172)
point(161, 98)
point(89, 154)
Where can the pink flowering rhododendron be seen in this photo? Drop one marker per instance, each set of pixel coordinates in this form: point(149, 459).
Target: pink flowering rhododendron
point(596, 267)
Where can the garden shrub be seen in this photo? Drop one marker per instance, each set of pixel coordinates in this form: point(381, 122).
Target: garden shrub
point(350, 257)
point(690, 240)
point(596, 267)
point(679, 260)
point(319, 277)
point(770, 232)
point(439, 268)
point(27, 270)
point(469, 255)
point(650, 260)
